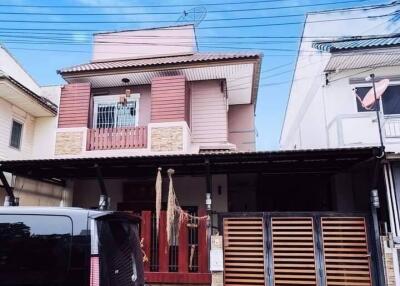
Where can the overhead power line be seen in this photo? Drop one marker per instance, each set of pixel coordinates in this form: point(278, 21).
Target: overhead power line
point(63, 31)
point(208, 27)
point(143, 6)
point(86, 41)
point(181, 5)
point(61, 38)
point(174, 21)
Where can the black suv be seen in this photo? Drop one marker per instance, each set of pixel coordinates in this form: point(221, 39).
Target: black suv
point(69, 246)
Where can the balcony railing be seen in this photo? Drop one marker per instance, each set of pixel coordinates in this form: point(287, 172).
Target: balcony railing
point(361, 129)
point(116, 138)
point(392, 126)
point(183, 262)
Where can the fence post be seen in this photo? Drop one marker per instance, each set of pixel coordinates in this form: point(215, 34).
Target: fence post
point(183, 251)
point(163, 248)
point(203, 248)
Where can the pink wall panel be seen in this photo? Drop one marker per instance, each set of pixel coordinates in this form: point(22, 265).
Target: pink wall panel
point(74, 105)
point(209, 123)
point(241, 126)
point(146, 43)
point(168, 99)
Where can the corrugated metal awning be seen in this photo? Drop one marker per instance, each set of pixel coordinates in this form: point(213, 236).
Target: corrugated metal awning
point(317, 161)
point(363, 59)
point(357, 43)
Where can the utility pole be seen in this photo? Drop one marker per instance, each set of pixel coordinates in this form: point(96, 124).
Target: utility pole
point(378, 110)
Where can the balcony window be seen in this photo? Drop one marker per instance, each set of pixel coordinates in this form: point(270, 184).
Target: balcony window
point(390, 103)
point(110, 113)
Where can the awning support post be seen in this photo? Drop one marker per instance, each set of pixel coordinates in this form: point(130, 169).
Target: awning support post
point(10, 198)
point(104, 202)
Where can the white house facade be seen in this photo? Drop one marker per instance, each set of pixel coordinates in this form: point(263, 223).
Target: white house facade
point(340, 55)
point(335, 57)
point(27, 111)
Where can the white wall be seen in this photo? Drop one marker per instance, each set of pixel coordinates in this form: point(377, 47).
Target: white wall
point(8, 112)
point(10, 66)
point(38, 134)
point(309, 76)
point(45, 128)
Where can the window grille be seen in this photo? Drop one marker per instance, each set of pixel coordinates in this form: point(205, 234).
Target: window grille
point(112, 115)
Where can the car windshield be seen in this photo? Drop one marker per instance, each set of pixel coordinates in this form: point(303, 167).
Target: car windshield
point(120, 255)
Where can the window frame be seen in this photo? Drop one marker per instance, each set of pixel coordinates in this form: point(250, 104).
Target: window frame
point(369, 84)
point(114, 99)
point(20, 137)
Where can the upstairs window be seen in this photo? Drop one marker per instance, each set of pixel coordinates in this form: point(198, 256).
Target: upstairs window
point(110, 113)
point(390, 99)
point(16, 134)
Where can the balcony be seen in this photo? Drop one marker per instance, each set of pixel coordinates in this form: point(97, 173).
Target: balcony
point(362, 130)
point(116, 138)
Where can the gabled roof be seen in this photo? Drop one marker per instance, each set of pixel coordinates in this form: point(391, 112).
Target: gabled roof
point(155, 61)
point(357, 43)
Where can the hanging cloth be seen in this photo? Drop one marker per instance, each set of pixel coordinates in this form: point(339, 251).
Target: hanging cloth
point(171, 208)
point(158, 199)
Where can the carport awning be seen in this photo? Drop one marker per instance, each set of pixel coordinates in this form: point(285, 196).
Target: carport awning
point(272, 162)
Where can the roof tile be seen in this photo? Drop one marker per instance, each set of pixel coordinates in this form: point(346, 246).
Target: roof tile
point(345, 44)
point(142, 62)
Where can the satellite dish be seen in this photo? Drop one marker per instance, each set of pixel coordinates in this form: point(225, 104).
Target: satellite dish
point(368, 101)
point(193, 16)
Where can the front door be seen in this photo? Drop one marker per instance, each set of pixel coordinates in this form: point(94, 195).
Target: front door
point(304, 249)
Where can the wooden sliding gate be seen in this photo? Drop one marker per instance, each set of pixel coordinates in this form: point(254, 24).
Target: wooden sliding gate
point(304, 249)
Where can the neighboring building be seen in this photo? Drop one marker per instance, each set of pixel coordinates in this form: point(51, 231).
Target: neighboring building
point(28, 118)
point(334, 58)
point(331, 78)
point(25, 109)
point(154, 94)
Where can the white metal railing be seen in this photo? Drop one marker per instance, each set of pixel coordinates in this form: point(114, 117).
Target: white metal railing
point(361, 129)
point(392, 126)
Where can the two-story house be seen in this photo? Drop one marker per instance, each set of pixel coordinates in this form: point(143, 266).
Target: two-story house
point(152, 96)
point(340, 55)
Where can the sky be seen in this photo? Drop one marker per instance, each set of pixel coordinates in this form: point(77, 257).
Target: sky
point(43, 48)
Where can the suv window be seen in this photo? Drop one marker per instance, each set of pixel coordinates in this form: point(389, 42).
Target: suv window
point(34, 249)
